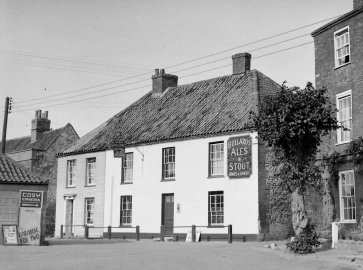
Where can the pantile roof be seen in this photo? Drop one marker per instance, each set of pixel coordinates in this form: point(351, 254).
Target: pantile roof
point(23, 143)
point(215, 106)
point(14, 173)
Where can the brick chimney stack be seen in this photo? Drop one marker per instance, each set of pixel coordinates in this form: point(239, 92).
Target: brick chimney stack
point(241, 63)
point(357, 4)
point(40, 124)
point(162, 81)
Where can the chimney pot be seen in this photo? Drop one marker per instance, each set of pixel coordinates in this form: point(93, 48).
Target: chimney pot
point(40, 124)
point(161, 81)
point(241, 63)
point(156, 71)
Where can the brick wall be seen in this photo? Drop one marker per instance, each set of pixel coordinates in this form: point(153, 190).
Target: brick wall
point(338, 80)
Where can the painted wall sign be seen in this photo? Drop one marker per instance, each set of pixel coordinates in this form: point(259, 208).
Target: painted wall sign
point(31, 198)
point(239, 156)
point(29, 225)
point(10, 235)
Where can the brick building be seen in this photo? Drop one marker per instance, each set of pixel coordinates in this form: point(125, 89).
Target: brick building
point(339, 68)
point(37, 152)
point(180, 155)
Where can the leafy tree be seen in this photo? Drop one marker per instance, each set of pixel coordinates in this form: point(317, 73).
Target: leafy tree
point(292, 123)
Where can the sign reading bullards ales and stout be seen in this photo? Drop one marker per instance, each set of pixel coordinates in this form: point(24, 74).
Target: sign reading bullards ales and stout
point(239, 151)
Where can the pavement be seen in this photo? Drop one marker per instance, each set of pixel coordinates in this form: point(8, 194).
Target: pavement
point(146, 254)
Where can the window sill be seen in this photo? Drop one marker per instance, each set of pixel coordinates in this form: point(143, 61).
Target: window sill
point(215, 176)
point(167, 180)
point(340, 143)
point(341, 65)
point(70, 186)
point(125, 226)
point(348, 221)
point(215, 226)
point(126, 183)
point(89, 225)
point(89, 185)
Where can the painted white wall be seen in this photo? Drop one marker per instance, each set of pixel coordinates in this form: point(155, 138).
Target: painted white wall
point(80, 192)
point(190, 188)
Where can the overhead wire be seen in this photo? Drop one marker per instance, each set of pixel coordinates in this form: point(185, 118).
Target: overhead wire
point(181, 70)
point(144, 86)
point(185, 62)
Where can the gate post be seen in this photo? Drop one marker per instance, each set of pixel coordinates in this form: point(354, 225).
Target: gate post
point(137, 233)
point(61, 232)
point(109, 231)
point(86, 232)
point(229, 234)
point(193, 233)
point(162, 233)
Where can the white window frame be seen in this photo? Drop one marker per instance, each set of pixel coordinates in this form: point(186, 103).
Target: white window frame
point(340, 96)
point(215, 208)
point(127, 168)
point(89, 211)
point(347, 197)
point(216, 158)
point(71, 172)
point(126, 210)
point(168, 163)
point(91, 171)
point(337, 48)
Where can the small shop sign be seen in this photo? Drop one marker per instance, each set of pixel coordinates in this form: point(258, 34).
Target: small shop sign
point(31, 198)
point(10, 235)
point(239, 156)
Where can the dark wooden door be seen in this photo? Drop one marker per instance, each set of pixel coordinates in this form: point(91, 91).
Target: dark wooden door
point(167, 215)
point(69, 218)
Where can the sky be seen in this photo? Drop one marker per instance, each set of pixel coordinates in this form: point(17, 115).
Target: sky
point(85, 60)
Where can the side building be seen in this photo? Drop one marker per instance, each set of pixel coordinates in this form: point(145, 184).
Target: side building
point(13, 178)
point(339, 68)
point(188, 157)
point(37, 153)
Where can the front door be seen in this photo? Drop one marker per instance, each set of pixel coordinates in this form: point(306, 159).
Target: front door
point(167, 213)
point(69, 217)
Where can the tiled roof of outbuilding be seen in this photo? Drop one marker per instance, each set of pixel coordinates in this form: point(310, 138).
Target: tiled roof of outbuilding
point(23, 143)
point(202, 108)
point(12, 172)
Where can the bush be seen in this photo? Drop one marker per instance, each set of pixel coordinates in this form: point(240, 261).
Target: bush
point(306, 242)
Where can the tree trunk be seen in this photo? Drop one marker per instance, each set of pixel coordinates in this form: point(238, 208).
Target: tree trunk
point(299, 215)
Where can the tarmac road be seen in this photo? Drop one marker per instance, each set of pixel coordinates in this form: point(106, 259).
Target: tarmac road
point(146, 254)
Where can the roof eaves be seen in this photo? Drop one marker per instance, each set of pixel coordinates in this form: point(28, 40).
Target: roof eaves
point(336, 21)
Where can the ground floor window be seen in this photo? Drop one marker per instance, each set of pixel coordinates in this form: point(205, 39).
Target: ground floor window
point(90, 210)
point(215, 208)
point(347, 196)
point(126, 210)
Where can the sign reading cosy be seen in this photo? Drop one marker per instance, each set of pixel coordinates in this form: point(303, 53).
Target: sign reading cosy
point(30, 198)
point(239, 156)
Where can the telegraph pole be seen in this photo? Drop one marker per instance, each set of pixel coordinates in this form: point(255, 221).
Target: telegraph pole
point(5, 124)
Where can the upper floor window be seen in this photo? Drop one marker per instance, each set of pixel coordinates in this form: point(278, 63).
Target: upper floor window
point(127, 168)
point(347, 196)
point(342, 47)
point(89, 211)
point(344, 106)
point(126, 210)
point(91, 171)
point(215, 208)
point(71, 173)
point(216, 159)
point(168, 163)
